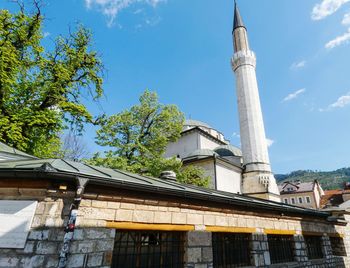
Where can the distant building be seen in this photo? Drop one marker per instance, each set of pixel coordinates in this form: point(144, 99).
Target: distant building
point(337, 199)
point(302, 194)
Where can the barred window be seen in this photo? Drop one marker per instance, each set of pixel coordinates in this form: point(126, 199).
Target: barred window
point(231, 249)
point(338, 247)
point(148, 249)
point(281, 248)
point(314, 247)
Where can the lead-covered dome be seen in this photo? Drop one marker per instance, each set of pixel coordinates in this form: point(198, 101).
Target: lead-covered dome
point(228, 150)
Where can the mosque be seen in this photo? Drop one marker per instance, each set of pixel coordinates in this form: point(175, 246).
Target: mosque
point(59, 213)
point(247, 172)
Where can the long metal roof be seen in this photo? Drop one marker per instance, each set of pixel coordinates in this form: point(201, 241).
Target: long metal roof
point(10, 153)
point(59, 168)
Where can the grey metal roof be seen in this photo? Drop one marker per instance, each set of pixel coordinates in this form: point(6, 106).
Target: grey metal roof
point(297, 187)
point(59, 169)
point(237, 22)
point(10, 153)
point(228, 150)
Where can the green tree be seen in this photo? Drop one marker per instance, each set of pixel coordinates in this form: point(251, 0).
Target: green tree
point(193, 175)
point(137, 139)
point(41, 90)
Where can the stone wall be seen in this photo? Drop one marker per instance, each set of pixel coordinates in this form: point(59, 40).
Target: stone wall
point(93, 240)
point(198, 250)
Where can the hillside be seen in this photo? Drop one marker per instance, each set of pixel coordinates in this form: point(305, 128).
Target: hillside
point(328, 179)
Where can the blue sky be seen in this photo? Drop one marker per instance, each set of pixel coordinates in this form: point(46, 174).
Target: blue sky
point(182, 50)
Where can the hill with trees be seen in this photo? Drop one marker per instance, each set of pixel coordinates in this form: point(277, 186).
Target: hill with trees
point(328, 179)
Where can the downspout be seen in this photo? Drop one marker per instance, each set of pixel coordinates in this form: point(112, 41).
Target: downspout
point(215, 178)
point(70, 226)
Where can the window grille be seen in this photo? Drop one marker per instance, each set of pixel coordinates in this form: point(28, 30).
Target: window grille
point(281, 248)
point(314, 247)
point(231, 250)
point(148, 249)
point(308, 199)
point(338, 247)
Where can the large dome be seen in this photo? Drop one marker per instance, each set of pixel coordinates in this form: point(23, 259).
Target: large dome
point(196, 123)
point(228, 150)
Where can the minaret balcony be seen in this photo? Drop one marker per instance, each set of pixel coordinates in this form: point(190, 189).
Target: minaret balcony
point(243, 57)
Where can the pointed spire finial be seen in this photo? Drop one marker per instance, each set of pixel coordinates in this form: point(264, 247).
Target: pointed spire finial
point(237, 22)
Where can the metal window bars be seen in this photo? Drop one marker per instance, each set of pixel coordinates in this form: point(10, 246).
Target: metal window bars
point(148, 249)
point(231, 249)
point(314, 247)
point(338, 247)
point(281, 248)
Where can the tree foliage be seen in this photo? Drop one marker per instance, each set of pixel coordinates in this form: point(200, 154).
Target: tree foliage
point(193, 175)
point(137, 139)
point(41, 90)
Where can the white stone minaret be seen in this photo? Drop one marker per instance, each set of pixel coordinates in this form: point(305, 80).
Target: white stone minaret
point(258, 180)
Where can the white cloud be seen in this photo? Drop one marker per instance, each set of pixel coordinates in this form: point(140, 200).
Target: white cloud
point(236, 135)
point(341, 102)
point(294, 95)
point(339, 40)
point(46, 34)
point(269, 142)
point(298, 65)
point(346, 19)
point(111, 8)
point(326, 8)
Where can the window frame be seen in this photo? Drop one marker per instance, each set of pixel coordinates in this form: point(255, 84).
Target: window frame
point(281, 248)
point(314, 246)
point(302, 200)
point(227, 246)
point(141, 248)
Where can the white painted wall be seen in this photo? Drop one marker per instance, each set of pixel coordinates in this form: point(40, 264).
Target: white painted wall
point(209, 170)
point(188, 143)
point(206, 143)
point(228, 179)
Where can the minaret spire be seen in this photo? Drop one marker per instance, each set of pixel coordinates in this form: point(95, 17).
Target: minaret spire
point(237, 21)
point(239, 32)
point(258, 179)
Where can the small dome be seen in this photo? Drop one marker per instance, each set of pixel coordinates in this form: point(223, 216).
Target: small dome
point(196, 123)
point(228, 150)
point(202, 152)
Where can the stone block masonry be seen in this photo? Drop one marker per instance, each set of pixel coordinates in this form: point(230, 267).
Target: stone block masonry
point(92, 247)
point(93, 242)
point(198, 250)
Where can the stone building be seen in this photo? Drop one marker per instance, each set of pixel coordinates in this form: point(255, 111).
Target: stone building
point(58, 213)
point(303, 194)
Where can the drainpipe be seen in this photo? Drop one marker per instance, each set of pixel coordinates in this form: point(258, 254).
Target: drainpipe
point(70, 226)
point(215, 178)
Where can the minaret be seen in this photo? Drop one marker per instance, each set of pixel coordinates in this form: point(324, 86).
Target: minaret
point(258, 180)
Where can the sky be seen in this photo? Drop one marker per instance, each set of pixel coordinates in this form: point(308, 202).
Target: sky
point(182, 48)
